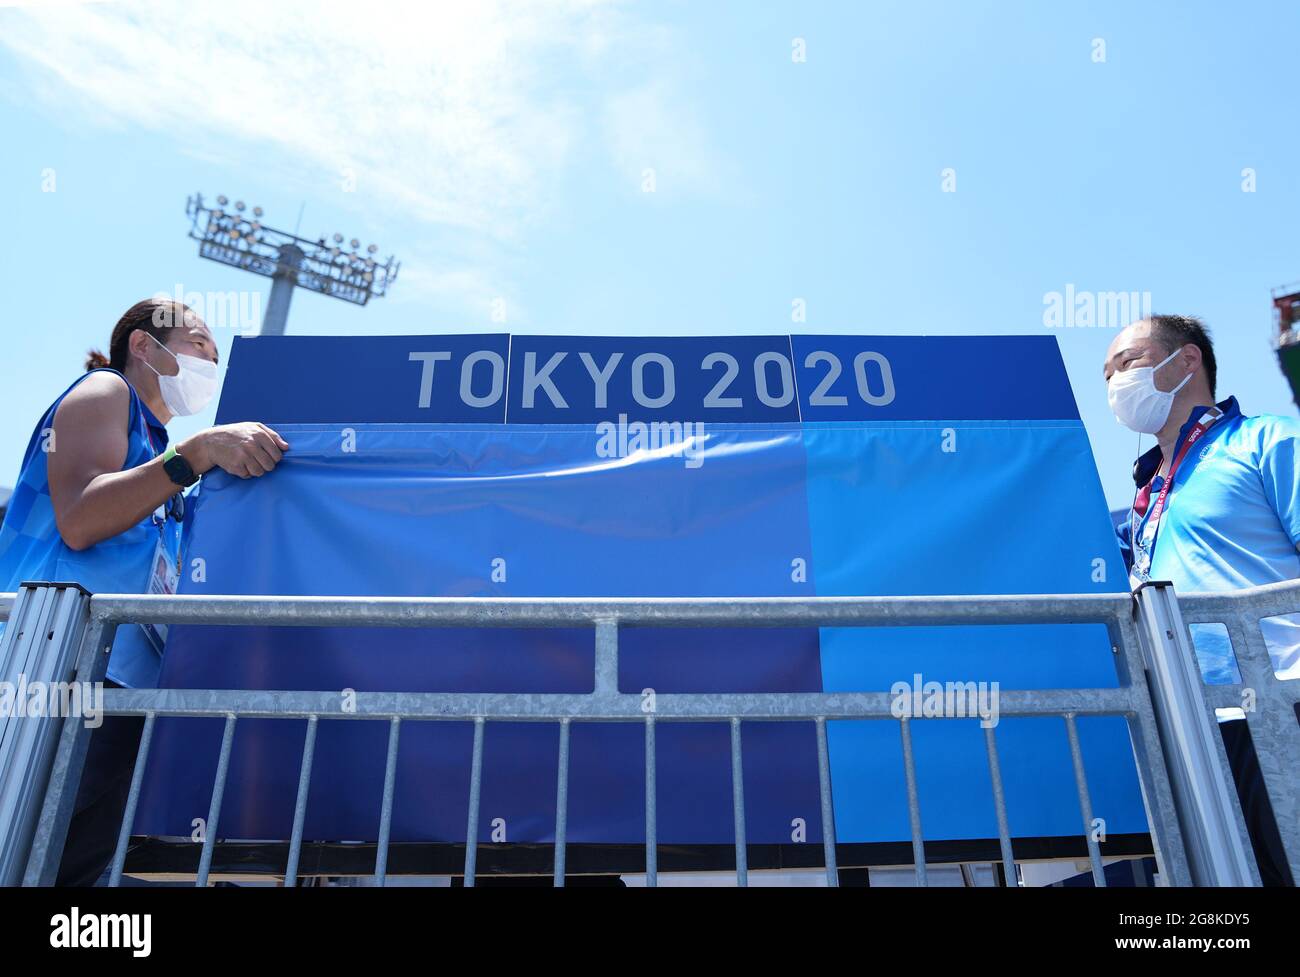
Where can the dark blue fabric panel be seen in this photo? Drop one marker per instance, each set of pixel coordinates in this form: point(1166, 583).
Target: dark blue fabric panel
point(415, 509)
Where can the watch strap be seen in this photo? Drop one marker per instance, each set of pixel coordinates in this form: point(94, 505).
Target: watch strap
point(177, 468)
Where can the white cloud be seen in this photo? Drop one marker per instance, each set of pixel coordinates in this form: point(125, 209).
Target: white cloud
point(432, 104)
point(461, 114)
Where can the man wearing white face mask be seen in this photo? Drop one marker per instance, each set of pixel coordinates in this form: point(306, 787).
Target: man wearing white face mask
point(1217, 507)
point(98, 502)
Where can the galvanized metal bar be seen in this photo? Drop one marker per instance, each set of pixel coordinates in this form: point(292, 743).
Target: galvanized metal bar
point(1172, 867)
point(386, 809)
point(475, 791)
point(132, 801)
point(651, 807)
point(827, 804)
point(606, 655)
point(1267, 600)
point(300, 804)
point(1221, 757)
point(1085, 802)
point(913, 804)
point(37, 650)
point(1223, 696)
point(214, 808)
point(606, 704)
point(22, 757)
point(69, 758)
point(561, 803)
point(738, 804)
point(423, 612)
point(1000, 806)
point(607, 707)
point(1218, 849)
point(1274, 733)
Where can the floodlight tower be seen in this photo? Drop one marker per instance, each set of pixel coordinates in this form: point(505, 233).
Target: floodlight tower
point(226, 235)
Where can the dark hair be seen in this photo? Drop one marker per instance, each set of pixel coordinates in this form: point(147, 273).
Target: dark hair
point(1173, 332)
point(155, 316)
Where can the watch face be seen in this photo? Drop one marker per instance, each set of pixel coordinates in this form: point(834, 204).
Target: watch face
point(179, 471)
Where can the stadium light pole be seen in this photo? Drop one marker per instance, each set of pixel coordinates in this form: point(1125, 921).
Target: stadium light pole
point(225, 234)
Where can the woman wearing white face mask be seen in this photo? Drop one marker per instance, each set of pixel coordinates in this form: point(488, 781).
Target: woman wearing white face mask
point(98, 502)
point(99, 476)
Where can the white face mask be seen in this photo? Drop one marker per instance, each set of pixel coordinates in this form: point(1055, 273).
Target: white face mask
point(1136, 401)
point(191, 389)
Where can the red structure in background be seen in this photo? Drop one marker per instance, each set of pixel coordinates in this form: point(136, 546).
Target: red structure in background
point(1286, 321)
point(1286, 312)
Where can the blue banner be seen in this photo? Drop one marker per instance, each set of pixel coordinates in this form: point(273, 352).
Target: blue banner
point(400, 379)
point(818, 465)
point(497, 379)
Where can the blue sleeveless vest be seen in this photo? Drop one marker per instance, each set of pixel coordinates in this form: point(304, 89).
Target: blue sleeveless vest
point(32, 549)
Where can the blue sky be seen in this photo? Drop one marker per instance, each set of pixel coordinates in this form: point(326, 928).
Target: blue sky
point(500, 151)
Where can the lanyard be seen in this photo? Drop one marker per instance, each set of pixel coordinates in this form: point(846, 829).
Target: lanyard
point(148, 433)
point(1150, 524)
point(176, 504)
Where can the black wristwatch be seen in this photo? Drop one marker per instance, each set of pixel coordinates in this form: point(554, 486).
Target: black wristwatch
point(178, 469)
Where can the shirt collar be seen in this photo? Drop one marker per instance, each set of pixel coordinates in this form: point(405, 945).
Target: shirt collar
point(1149, 463)
point(158, 428)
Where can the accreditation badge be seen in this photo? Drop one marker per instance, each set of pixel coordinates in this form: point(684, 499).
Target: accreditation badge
point(164, 578)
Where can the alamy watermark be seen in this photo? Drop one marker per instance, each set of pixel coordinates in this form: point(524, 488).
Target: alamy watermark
point(945, 700)
point(664, 439)
point(1080, 309)
point(75, 930)
point(56, 700)
point(239, 311)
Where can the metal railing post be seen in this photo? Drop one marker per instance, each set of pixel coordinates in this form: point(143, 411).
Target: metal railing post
point(1153, 773)
point(1218, 851)
point(38, 654)
point(69, 758)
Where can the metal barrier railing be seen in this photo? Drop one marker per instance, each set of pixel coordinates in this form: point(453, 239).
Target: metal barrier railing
point(1184, 797)
point(1271, 705)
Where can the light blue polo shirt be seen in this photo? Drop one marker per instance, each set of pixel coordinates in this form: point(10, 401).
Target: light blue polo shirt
point(1232, 520)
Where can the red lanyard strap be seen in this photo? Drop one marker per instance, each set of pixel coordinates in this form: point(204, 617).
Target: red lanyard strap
point(1150, 526)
